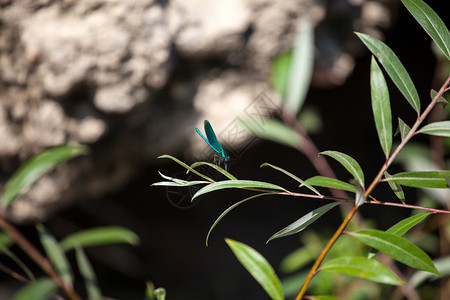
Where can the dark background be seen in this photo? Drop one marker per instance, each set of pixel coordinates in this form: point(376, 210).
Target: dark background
point(172, 252)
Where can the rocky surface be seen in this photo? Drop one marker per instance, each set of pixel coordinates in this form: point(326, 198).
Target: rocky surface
point(133, 78)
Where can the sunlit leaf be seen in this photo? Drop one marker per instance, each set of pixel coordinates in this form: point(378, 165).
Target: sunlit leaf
point(303, 222)
point(160, 293)
point(437, 128)
point(37, 166)
point(381, 107)
point(99, 236)
point(280, 72)
point(330, 183)
point(215, 167)
point(41, 289)
point(302, 183)
point(349, 163)
point(189, 169)
point(273, 130)
point(223, 214)
point(421, 179)
point(258, 267)
point(394, 68)
point(396, 247)
point(301, 66)
point(229, 184)
point(362, 267)
point(396, 188)
point(177, 182)
point(55, 254)
point(87, 272)
point(432, 24)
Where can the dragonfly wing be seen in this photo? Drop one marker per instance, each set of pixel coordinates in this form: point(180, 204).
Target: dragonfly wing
point(213, 141)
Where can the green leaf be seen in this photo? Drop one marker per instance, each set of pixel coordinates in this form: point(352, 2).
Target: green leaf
point(303, 222)
point(99, 236)
point(302, 183)
point(403, 128)
point(441, 99)
point(394, 68)
point(273, 130)
point(349, 163)
point(176, 181)
point(160, 293)
point(228, 210)
point(229, 184)
point(396, 188)
point(381, 107)
point(330, 183)
point(215, 167)
point(258, 267)
point(87, 272)
point(362, 267)
point(301, 68)
point(403, 226)
point(421, 179)
point(432, 24)
point(280, 72)
point(55, 254)
point(35, 167)
point(396, 247)
point(443, 266)
point(41, 289)
point(437, 128)
point(189, 169)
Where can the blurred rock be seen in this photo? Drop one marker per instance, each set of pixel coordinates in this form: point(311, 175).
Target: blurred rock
point(133, 78)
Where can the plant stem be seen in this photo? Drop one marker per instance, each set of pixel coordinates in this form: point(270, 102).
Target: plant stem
point(35, 255)
point(325, 251)
point(445, 87)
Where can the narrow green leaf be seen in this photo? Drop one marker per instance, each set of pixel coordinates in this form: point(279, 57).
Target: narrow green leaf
point(189, 169)
point(280, 72)
point(222, 215)
point(362, 267)
point(381, 107)
point(330, 183)
point(396, 247)
point(421, 179)
point(99, 236)
point(301, 68)
point(177, 182)
point(441, 99)
point(394, 68)
point(229, 184)
point(55, 254)
point(349, 163)
point(20, 263)
point(41, 289)
point(403, 128)
point(402, 227)
point(302, 183)
point(215, 167)
point(437, 128)
point(432, 24)
point(273, 130)
point(87, 272)
point(303, 222)
point(396, 188)
point(258, 267)
point(405, 225)
point(35, 167)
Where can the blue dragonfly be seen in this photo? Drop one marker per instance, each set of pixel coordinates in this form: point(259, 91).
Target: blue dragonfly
point(220, 157)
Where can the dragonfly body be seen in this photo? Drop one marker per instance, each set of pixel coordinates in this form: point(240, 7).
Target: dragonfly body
point(220, 156)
